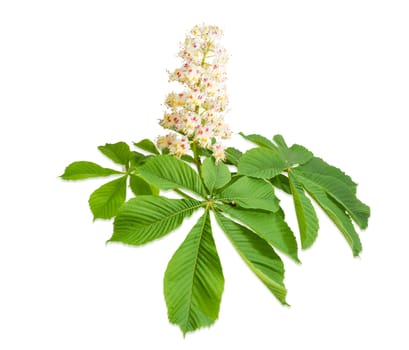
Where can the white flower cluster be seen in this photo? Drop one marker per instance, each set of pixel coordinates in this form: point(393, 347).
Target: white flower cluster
point(196, 115)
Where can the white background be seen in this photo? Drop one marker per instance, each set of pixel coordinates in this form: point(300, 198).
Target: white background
point(332, 75)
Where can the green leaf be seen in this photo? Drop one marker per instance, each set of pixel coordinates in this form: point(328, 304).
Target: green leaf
point(118, 152)
point(269, 226)
point(261, 163)
point(145, 218)
point(334, 212)
point(292, 156)
point(306, 216)
point(358, 211)
point(147, 145)
point(194, 282)
point(84, 170)
point(341, 193)
point(259, 140)
point(296, 155)
point(258, 255)
point(204, 152)
point(233, 155)
point(106, 200)
point(188, 158)
point(136, 159)
point(168, 172)
point(281, 181)
point(214, 175)
point(140, 187)
point(318, 166)
point(251, 193)
point(279, 141)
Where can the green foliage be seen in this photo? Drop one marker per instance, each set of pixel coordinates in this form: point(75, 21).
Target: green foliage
point(259, 140)
point(259, 256)
point(137, 159)
point(262, 163)
point(269, 226)
point(146, 218)
point(214, 175)
point(147, 145)
point(168, 173)
point(335, 213)
point(140, 187)
point(241, 194)
point(233, 155)
point(85, 170)
point(293, 155)
point(281, 181)
point(194, 281)
point(250, 193)
point(306, 216)
point(118, 152)
point(106, 200)
point(280, 157)
point(338, 186)
point(318, 166)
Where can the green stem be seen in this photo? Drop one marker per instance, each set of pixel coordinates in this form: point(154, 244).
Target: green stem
point(196, 158)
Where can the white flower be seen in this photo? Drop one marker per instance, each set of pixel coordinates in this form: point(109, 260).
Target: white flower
point(197, 113)
point(176, 145)
point(218, 152)
point(203, 136)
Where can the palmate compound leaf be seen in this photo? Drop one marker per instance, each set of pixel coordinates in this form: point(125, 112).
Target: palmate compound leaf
point(194, 282)
point(306, 216)
point(332, 189)
point(107, 199)
point(269, 226)
point(253, 193)
point(84, 170)
point(168, 172)
point(146, 218)
point(214, 175)
point(259, 256)
point(334, 211)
